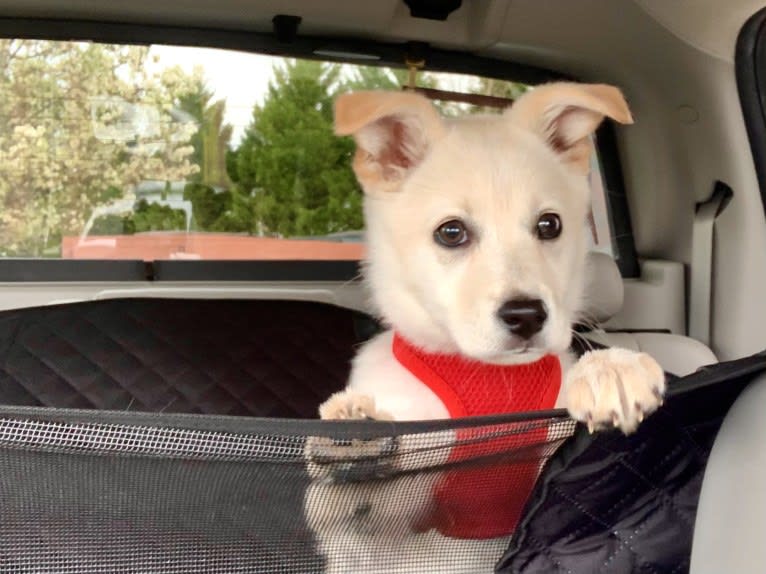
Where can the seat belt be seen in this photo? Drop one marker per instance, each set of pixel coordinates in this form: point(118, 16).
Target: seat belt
point(701, 277)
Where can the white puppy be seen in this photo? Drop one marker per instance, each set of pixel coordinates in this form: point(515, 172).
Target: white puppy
point(476, 236)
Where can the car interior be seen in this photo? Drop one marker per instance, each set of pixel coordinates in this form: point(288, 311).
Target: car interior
point(258, 315)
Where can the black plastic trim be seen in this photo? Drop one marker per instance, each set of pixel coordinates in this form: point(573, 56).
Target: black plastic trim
point(70, 270)
point(433, 9)
point(388, 54)
point(750, 59)
point(660, 331)
point(256, 270)
point(86, 270)
point(617, 201)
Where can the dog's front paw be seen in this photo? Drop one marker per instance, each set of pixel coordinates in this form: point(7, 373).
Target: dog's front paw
point(349, 459)
point(614, 388)
point(345, 405)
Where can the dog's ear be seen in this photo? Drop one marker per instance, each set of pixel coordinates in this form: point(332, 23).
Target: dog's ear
point(565, 114)
point(393, 133)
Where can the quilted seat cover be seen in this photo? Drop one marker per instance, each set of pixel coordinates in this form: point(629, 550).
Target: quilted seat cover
point(242, 357)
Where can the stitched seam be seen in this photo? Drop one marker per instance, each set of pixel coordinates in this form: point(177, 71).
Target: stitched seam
point(51, 368)
point(627, 496)
point(666, 498)
point(579, 507)
point(83, 354)
point(243, 400)
point(179, 391)
point(545, 551)
point(625, 544)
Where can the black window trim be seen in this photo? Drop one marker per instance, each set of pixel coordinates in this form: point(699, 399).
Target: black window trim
point(390, 54)
point(750, 69)
point(618, 210)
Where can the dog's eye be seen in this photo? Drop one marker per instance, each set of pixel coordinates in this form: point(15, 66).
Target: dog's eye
point(452, 233)
point(548, 226)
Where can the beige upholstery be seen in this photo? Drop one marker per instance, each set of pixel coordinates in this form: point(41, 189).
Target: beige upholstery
point(730, 527)
point(676, 354)
point(604, 291)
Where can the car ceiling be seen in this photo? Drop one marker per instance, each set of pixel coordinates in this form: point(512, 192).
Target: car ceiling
point(708, 25)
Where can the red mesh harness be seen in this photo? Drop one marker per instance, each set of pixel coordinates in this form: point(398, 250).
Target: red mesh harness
point(484, 502)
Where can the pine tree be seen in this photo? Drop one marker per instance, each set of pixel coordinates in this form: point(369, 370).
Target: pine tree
point(297, 171)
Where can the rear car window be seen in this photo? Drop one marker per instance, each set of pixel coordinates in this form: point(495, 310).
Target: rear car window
point(159, 152)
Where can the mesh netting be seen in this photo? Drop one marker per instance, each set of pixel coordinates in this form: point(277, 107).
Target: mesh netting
point(85, 493)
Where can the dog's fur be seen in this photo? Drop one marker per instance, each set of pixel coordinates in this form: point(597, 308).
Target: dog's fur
point(497, 174)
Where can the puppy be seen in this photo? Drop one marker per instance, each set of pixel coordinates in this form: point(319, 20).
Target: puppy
point(477, 242)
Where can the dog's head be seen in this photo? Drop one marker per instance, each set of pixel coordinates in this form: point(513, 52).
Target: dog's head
point(476, 227)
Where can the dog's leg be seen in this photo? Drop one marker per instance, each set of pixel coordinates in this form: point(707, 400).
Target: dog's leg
point(357, 511)
point(613, 388)
point(350, 460)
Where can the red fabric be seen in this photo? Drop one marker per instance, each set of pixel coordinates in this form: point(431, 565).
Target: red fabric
point(484, 500)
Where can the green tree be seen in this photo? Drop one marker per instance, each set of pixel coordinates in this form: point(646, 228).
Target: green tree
point(502, 88)
point(145, 217)
point(211, 140)
point(216, 204)
point(297, 171)
point(80, 121)
point(290, 171)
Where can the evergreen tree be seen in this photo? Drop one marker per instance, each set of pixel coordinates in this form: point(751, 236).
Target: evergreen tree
point(291, 163)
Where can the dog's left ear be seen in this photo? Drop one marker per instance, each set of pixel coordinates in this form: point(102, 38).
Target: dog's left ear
point(393, 132)
point(566, 114)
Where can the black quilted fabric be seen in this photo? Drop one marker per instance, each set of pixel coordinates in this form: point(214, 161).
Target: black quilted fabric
point(258, 358)
point(608, 503)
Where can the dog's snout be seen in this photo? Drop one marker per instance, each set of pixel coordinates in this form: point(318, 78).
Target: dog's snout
point(523, 317)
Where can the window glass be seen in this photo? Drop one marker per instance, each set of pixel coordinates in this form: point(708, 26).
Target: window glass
point(162, 152)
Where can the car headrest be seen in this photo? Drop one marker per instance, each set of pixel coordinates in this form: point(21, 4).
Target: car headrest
point(604, 290)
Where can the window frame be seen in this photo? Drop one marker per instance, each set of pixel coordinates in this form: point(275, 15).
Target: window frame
point(14, 270)
point(749, 56)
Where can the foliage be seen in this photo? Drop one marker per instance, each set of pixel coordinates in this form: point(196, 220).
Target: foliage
point(297, 172)
point(144, 217)
point(81, 120)
point(212, 138)
point(221, 210)
point(290, 162)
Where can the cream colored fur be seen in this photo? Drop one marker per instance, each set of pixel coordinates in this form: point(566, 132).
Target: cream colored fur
point(497, 174)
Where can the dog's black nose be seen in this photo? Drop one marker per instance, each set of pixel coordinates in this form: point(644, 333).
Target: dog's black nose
point(524, 317)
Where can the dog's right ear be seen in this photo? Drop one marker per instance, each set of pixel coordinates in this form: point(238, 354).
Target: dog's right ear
point(565, 114)
point(393, 133)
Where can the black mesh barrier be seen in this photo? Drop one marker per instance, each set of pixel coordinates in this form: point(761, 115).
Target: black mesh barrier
point(86, 491)
point(102, 491)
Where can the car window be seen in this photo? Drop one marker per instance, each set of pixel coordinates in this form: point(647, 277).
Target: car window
point(161, 152)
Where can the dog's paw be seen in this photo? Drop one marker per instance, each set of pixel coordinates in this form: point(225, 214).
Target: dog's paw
point(353, 406)
point(349, 459)
point(614, 388)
